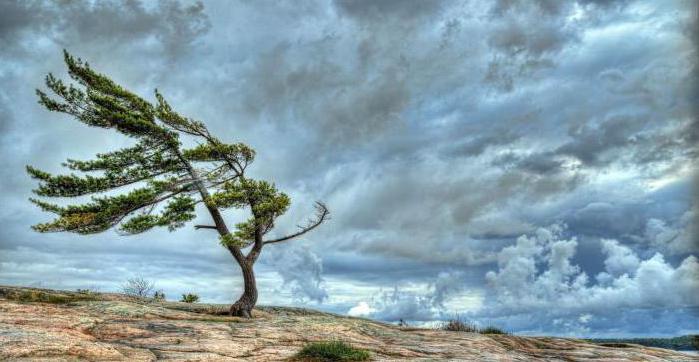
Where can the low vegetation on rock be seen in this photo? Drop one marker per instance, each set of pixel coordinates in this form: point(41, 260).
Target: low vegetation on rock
point(331, 351)
point(39, 296)
point(189, 298)
point(159, 295)
point(457, 324)
point(491, 330)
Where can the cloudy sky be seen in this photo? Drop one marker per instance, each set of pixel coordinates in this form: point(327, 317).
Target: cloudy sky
point(527, 164)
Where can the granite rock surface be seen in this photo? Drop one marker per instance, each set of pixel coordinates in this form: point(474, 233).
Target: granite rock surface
point(38, 325)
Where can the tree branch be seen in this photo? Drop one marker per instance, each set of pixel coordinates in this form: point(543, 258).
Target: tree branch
point(152, 204)
point(322, 214)
point(257, 246)
point(221, 226)
point(205, 227)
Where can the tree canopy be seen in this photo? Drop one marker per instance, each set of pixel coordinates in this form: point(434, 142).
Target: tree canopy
point(159, 181)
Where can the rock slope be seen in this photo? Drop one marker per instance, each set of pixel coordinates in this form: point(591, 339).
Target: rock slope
point(37, 325)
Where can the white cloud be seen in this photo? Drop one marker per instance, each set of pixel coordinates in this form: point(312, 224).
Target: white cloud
point(406, 305)
point(537, 277)
point(419, 302)
point(620, 259)
point(362, 309)
point(676, 238)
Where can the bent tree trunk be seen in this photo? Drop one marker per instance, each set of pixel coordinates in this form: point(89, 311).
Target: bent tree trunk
point(243, 306)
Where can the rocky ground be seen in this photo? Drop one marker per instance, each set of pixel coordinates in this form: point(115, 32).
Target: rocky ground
point(37, 324)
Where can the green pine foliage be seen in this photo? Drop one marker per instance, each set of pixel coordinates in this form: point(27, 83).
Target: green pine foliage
point(167, 186)
point(189, 298)
point(159, 296)
point(268, 204)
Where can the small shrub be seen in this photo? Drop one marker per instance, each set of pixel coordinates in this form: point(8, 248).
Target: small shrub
point(332, 351)
point(138, 287)
point(159, 296)
point(491, 330)
point(456, 324)
point(189, 298)
point(42, 297)
point(83, 291)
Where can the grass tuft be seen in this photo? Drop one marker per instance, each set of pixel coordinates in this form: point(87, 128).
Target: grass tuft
point(491, 330)
point(330, 351)
point(456, 324)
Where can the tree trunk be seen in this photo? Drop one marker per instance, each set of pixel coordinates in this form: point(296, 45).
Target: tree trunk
point(243, 307)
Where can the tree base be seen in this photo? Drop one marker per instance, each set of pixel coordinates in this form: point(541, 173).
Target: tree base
point(240, 310)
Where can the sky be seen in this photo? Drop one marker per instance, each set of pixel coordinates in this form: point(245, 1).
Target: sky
point(524, 164)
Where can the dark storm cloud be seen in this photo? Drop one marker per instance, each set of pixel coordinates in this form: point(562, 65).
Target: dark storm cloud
point(439, 133)
point(618, 212)
point(631, 138)
point(6, 123)
point(15, 17)
point(692, 132)
point(173, 25)
point(477, 145)
point(526, 38)
point(533, 28)
point(342, 106)
point(537, 163)
point(377, 11)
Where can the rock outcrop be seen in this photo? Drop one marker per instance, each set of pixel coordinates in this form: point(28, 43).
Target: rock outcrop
point(50, 325)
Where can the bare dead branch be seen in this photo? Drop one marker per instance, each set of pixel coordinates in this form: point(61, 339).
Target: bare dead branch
point(138, 287)
point(322, 214)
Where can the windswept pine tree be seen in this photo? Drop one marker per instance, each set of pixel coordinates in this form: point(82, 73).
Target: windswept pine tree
point(158, 182)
